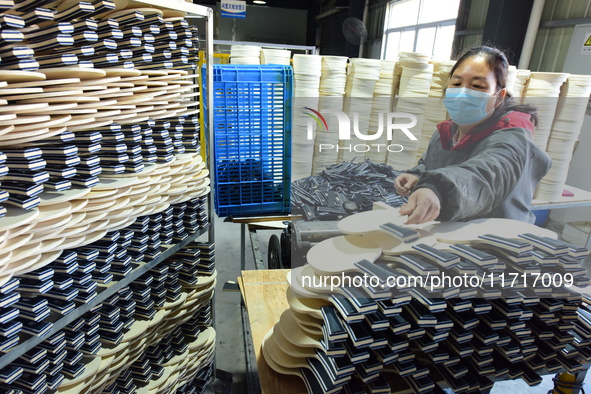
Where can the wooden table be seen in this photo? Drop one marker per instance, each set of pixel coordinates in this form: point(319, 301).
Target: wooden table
point(263, 292)
point(581, 198)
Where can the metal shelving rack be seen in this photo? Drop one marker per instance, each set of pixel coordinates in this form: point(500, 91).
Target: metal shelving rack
point(107, 292)
point(195, 11)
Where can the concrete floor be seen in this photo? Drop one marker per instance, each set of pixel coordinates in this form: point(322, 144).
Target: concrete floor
point(228, 324)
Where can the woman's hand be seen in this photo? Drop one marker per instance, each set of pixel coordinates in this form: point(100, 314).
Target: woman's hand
point(423, 206)
point(404, 183)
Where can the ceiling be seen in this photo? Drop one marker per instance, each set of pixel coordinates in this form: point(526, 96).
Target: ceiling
point(298, 4)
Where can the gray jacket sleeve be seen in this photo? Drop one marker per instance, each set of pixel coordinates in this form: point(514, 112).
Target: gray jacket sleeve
point(419, 168)
point(481, 183)
point(421, 165)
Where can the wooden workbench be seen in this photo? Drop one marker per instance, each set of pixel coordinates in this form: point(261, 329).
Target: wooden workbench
point(263, 292)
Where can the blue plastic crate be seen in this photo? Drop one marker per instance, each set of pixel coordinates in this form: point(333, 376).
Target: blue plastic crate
point(252, 138)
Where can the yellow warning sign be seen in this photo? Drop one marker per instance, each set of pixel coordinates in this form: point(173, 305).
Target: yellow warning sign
point(588, 42)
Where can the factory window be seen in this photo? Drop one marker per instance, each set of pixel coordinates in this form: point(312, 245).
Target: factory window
point(420, 26)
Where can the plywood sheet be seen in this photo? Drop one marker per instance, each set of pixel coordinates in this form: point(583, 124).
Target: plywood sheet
point(265, 300)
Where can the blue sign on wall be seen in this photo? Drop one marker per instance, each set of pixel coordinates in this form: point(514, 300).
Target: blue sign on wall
point(233, 9)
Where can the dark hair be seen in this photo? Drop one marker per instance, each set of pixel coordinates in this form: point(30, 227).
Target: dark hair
point(497, 61)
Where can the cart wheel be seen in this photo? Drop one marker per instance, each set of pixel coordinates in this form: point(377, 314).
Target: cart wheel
point(274, 253)
point(285, 250)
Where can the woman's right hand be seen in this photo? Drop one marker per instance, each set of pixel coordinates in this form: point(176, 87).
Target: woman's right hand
point(404, 183)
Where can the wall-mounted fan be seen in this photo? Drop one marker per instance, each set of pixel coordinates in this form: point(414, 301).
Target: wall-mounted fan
point(354, 31)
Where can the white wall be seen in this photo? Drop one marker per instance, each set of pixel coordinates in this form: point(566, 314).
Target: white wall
point(264, 24)
point(579, 175)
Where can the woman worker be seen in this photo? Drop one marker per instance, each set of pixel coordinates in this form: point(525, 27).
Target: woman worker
point(482, 162)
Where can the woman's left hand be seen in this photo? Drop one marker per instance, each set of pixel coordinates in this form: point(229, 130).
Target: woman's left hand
point(423, 206)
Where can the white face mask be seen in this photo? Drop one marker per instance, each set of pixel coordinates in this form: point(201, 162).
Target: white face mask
point(466, 106)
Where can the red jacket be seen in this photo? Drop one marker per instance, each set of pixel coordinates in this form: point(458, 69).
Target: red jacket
point(512, 119)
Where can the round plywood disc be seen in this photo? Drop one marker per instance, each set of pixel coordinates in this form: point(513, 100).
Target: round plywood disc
point(288, 347)
point(98, 383)
point(28, 119)
point(15, 217)
point(129, 11)
point(16, 135)
point(73, 242)
point(64, 99)
point(48, 198)
point(274, 365)
point(294, 278)
point(43, 95)
point(121, 192)
point(46, 258)
point(77, 218)
point(95, 236)
point(86, 88)
point(120, 362)
point(22, 108)
point(468, 232)
point(136, 119)
point(14, 76)
point(21, 140)
point(6, 129)
point(91, 364)
point(140, 189)
point(106, 351)
point(75, 231)
point(115, 183)
point(281, 357)
point(145, 210)
point(96, 123)
point(139, 327)
point(4, 259)
point(48, 212)
point(22, 264)
point(105, 362)
point(94, 216)
point(46, 225)
point(155, 383)
point(294, 334)
point(122, 72)
point(364, 222)
point(49, 82)
point(106, 205)
point(8, 93)
point(339, 254)
point(51, 244)
point(152, 73)
point(393, 246)
point(4, 235)
point(174, 304)
point(73, 72)
point(173, 15)
point(20, 230)
point(101, 193)
point(121, 213)
point(58, 109)
point(53, 121)
point(78, 120)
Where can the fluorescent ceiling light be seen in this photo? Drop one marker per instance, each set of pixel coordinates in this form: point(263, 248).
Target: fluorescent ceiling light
point(259, 2)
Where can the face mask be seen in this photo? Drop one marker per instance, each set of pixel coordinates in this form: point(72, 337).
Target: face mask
point(466, 106)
